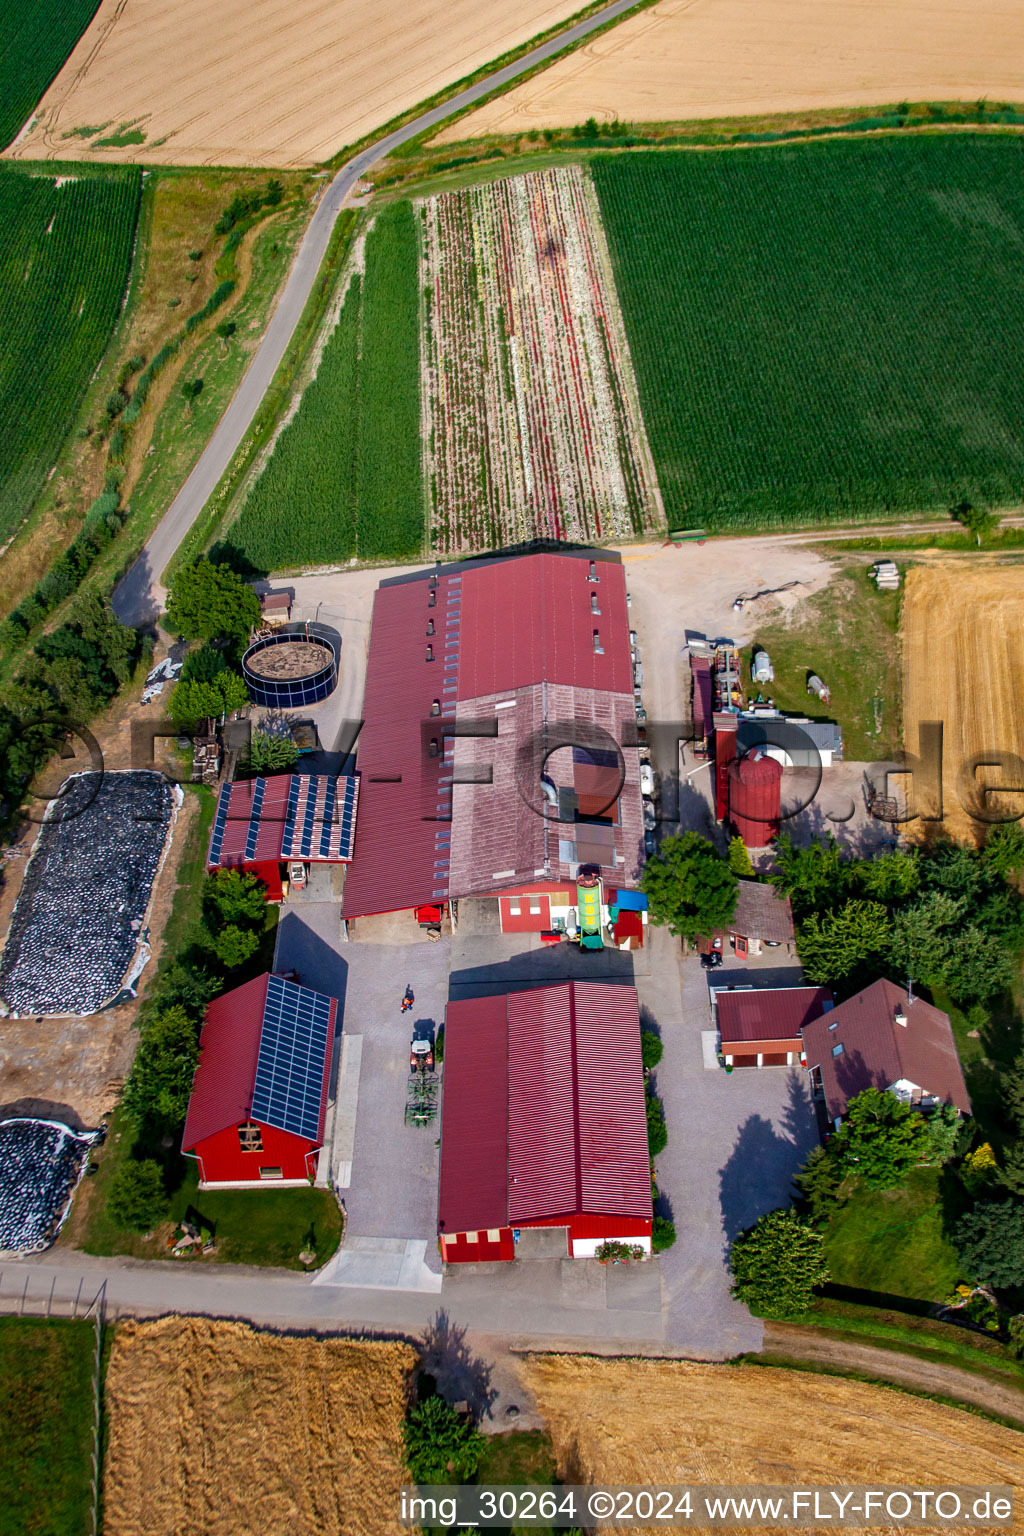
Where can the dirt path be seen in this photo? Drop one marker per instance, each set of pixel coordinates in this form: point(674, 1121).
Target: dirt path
point(994, 1392)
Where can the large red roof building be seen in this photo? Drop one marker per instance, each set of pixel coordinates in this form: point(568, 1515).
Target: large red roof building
point(544, 1122)
point(259, 1095)
point(495, 750)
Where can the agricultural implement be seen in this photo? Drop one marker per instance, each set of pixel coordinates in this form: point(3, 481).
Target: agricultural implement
point(421, 1100)
point(677, 536)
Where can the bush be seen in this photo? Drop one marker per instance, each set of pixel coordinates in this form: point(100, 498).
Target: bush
point(657, 1132)
point(237, 897)
point(663, 1234)
point(271, 754)
point(137, 1197)
point(441, 1447)
point(160, 1081)
point(990, 1240)
point(776, 1265)
point(651, 1048)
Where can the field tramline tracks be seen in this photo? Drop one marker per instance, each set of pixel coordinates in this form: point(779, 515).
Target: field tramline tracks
point(531, 424)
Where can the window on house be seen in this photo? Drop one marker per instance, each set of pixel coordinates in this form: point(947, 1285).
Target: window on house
point(494, 1234)
point(471, 1237)
point(271, 1173)
point(514, 908)
point(534, 907)
point(837, 1050)
point(250, 1137)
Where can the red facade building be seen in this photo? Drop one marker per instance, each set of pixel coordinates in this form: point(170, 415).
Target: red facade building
point(544, 1122)
point(259, 1095)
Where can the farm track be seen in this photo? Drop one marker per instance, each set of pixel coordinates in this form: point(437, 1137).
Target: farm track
point(1004, 1398)
point(137, 599)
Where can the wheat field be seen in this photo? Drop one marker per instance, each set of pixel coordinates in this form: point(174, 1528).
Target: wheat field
point(215, 1427)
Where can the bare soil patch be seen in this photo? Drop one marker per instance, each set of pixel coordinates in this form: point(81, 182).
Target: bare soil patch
point(963, 667)
point(215, 1427)
point(646, 1421)
point(687, 59)
point(265, 82)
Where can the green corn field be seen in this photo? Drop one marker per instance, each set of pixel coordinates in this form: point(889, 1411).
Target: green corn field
point(345, 477)
point(827, 331)
point(36, 40)
point(65, 257)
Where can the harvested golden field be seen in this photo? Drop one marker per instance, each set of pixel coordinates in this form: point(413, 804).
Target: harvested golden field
point(656, 1421)
point(729, 58)
point(263, 82)
point(963, 665)
point(213, 1427)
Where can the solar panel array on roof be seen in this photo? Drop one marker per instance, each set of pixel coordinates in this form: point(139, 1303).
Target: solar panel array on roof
point(290, 1067)
point(220, 822)
point(252, 836)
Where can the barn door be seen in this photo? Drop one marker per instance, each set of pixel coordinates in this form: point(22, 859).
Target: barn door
point(741, 947)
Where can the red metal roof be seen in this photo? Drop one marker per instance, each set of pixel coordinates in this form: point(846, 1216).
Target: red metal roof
point(770, 1013)
point(229, 1048)
point(877, 1052)
point(499, 626)
point(531, 620)
point(291, 815)
point(544, 1113)
point(474, 1117)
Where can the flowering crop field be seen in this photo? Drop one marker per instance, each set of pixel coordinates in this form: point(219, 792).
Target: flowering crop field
point(825, 332)
point(531, 423)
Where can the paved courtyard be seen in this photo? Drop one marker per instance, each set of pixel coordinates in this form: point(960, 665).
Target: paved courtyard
point(735, 1140)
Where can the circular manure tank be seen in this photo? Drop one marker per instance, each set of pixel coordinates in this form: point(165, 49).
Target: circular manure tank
point(291, 668)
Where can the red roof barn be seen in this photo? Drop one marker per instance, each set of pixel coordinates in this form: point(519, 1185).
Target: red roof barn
point(881, 1038)
point(261, 824)
point(259, 1095)
point(544, 1121)
point(498, 699)
point(760, 1026)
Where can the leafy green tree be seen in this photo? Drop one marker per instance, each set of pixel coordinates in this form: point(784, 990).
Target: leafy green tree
point(194, 701)
point(881, 1139)
point(225, 330)
point(923, 935)
point(835, 945)
point(160, 1080)
point(1010, 1171)
point(191, 389)
point(943, 1127)
point(233, 692)
point(137, 1198)
point(1013, 1092)
point(1004, 848)
point(271, 754)
point(233, 946)
point(891, 877)
point(975, 519)
point(690, 888)
point(663, 1234)
point(739, 859)
point(651, 1048)
point(236, 896)
point(203, 665)
point(814, 878)
point(187, 985)
point(978, 967)
point(990, 1241)
point(211, 602)
point(441, 1446)
point(776, 1265)
point(820, 1183)
point(657, 1131)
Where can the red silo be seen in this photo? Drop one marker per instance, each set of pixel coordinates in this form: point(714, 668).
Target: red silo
point(755, 798)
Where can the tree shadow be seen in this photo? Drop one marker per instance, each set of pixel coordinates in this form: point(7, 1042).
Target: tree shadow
point(758, 1175)
point(455, 1372)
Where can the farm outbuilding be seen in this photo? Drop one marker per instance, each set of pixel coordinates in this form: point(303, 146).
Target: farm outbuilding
point(755, 798)
point(763, 916)
point(261, 824)
point(544, 1122)
point(259, 1096)
point(761, 1026)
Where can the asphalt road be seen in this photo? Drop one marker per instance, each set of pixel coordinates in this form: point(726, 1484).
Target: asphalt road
point(137, 597)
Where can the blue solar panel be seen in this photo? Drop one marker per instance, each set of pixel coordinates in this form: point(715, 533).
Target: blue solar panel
point(220, 822)
point(291, 1062)
point(252, 836)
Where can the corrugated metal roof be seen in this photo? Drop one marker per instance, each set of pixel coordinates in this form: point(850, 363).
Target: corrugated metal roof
point(543, 1177)
point(543, 1112)
point(292, 815)
point(877, 1052)
point(770, 1013)
point(474, 1117)
point(228, 1050)
point(614, 1159)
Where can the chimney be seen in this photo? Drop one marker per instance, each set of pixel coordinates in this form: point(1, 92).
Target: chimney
point(900, 1015)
